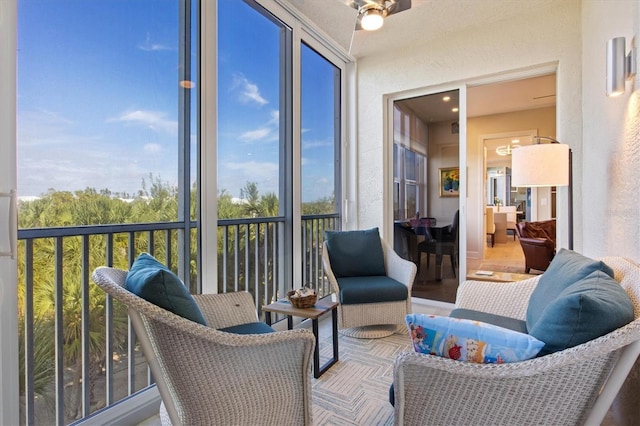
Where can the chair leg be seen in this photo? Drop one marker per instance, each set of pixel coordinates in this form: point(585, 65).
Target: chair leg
point(491, 239)
point(453, 265)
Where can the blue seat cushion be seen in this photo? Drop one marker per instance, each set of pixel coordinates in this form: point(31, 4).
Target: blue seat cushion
point(355, 253)
point(590, 308)
point(499, 320)
point(566, 268)
point(373, 289)
point(249, 328)
point(157, 284)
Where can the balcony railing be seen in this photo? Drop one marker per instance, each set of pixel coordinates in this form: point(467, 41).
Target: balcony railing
point(78, 350)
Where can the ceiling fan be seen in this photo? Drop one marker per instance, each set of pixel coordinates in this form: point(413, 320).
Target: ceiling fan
point(371, 13)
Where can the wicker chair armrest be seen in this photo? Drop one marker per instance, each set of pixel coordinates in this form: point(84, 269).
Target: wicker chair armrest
point(329, 272)
point(506, 299)
point(506, 394)
point(398, 268)
point(227, 309)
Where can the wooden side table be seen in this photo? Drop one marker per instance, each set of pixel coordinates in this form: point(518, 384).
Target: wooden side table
point(312, 313)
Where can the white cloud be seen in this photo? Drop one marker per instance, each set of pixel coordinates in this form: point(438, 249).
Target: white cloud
point(54, 152)
point(153, 120)
point(253, 167)
point(316, 144)
point(249, 92)
point(234, 175)
point(43, 127)
point(254, 135)
point(152, 148)
point(149, 46)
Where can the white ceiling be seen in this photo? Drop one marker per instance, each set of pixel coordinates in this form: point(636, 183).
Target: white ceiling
point(426, 20)
point(429, 20)
point(488, 99)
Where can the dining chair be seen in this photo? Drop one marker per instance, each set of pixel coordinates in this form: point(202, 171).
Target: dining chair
point(441, 242)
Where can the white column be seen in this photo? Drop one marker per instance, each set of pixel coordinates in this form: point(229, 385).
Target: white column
point(9, 390)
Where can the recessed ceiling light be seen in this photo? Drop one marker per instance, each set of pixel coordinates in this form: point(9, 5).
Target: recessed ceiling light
point(446, 98)
point(515, 141)
point(455, 109)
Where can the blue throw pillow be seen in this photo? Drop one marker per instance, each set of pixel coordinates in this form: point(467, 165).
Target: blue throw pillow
point(566, 268)
point(154, 282)
point(355, 253)
point(468, 340)
point(590, 308)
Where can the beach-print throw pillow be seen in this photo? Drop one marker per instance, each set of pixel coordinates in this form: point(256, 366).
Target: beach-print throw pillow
point(468, 340)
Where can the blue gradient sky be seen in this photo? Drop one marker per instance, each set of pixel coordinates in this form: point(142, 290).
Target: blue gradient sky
point(98, 93)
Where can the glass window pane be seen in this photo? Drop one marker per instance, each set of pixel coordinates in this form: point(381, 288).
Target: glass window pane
point(411, 192)
point(396, 200)
point(320, 81)
point(249, 76)
point(410, 165)
point(98, 107)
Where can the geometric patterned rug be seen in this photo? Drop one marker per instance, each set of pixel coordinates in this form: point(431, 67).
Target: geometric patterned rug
point(355, 390)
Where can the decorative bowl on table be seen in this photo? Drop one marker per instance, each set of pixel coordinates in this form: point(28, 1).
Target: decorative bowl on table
point(302, 298)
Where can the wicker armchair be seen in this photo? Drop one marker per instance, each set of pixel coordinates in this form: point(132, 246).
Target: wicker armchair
point(374, 320)
point(206, 376)
point(573, 386)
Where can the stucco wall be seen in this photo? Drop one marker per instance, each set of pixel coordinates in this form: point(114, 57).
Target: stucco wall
point(551, 36)
point(611, 136)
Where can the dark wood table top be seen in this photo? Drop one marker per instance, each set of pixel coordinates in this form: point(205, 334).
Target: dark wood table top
point(284, 307)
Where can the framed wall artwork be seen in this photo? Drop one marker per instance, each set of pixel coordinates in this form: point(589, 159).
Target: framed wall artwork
point(449, 181)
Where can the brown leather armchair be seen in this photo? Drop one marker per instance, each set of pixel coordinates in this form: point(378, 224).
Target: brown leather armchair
point(538, 241)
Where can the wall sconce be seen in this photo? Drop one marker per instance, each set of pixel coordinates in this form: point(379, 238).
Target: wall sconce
point(620, 65)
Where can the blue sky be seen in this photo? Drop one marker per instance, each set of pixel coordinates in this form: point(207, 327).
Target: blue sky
point(98, 93)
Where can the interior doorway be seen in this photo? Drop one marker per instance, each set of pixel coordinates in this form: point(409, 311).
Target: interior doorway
point(426, 190)
point(500, 117)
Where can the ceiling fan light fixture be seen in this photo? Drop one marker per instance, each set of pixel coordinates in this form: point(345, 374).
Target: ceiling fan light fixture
point(372, 19)
point(506, 149)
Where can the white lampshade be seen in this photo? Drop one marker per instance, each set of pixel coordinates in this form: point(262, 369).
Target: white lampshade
point(540, 165)
point(372, 20)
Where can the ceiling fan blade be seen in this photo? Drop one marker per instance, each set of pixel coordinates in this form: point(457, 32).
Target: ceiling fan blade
point(398, 6)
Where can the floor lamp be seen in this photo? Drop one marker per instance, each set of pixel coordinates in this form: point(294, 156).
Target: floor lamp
point(544, 164)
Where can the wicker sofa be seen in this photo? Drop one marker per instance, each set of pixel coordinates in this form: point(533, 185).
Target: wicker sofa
point(572, 386)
